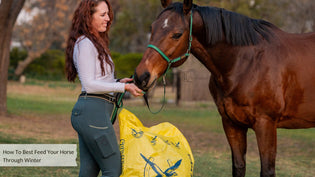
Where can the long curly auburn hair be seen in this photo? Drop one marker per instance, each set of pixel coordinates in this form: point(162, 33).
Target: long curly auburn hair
point(82, 25)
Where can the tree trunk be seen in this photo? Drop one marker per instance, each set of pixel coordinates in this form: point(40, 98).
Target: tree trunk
point(9, 9)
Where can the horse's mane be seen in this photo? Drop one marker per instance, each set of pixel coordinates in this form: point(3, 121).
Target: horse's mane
point(237, 29)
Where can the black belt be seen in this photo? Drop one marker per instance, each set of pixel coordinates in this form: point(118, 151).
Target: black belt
point(107, 97)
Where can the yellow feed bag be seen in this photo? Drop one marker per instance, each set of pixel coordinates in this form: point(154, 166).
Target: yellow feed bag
point(158, 151)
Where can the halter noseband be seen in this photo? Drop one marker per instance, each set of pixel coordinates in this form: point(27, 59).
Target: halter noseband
point(169, 61)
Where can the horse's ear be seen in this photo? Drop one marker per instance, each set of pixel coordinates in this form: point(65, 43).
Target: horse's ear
point(187, 5)
point(165, 3)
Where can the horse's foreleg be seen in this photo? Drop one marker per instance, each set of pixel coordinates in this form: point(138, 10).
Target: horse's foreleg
point(266, 134)
point(237, 139)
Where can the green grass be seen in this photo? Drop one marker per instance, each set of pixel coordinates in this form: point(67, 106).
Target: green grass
point(295, 154)
point(8, 139)
point(203, 118)
point(51, 84)
point(38, 172)
point(307, 135)
point(214, 164)
point(30, 104)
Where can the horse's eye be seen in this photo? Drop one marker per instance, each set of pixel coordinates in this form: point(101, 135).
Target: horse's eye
point(177, 35)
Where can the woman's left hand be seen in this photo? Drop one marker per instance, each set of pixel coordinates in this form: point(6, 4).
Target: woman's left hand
point(133, 89)
point(126, 80)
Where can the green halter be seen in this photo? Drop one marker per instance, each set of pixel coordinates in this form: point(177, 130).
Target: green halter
point(169, 61)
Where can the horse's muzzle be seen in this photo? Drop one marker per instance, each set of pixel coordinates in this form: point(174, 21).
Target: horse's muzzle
point(142, 80)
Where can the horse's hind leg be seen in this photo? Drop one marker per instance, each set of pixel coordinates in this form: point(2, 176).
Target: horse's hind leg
point(237, 139)
point(266, 134)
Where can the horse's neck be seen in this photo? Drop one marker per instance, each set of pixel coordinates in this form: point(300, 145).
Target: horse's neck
point(219, 60)
point(204, 57)
point(215, 59)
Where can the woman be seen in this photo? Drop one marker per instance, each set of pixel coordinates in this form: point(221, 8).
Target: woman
point(88, 56)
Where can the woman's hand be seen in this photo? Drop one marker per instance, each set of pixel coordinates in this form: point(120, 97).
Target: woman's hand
point(133, 89)
point(126, 80)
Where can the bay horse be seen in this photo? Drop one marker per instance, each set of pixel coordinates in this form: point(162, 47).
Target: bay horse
point(261, 77)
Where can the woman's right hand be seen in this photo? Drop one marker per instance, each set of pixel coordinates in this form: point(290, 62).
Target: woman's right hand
point(133, 89)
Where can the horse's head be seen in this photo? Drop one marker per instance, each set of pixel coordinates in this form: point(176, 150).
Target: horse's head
point(169, 43)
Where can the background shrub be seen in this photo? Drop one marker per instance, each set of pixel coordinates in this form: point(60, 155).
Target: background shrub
point(126, 64)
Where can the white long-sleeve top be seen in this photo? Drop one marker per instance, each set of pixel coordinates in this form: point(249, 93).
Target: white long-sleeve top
point(85, 58)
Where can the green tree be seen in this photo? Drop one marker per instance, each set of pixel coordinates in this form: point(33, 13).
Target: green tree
point(125, 64)
point(16, 55)
point(50, 65)
point(131, 28)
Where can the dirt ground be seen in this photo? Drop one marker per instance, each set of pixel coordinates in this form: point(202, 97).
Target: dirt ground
point(42, 127)
point(53, 127)
point(36, 127)
point(60, 129)
point(57, 128)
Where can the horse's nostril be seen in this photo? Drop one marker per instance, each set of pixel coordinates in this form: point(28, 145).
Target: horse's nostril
point(142, 80)
point(145, 78)
point(136, 79)
point(143, 84)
